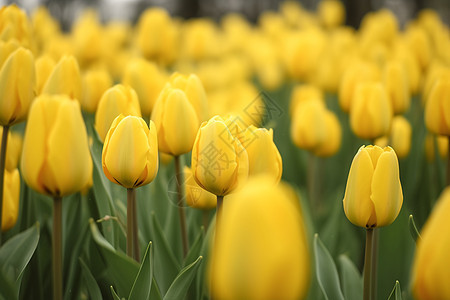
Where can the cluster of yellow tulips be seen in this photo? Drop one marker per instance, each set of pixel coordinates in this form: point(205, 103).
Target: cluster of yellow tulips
point(199, 106)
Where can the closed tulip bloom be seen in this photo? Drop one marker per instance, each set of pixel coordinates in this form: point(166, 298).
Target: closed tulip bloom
point(94, 83)
point(117, 100)
point(176, 121)
point(263, 155)
point(13, 149)
point(442, 146)
point(333, 132)
point(14, 24)
point(371, 112)
point(196, 196)
point(65, 79)
point(11, 195)
point(397, 88)
point(219, 161)
point(194, 90)
point(373, 196)
point(44, 67)
point(130, 152)
point(399, 137)
point(308, 128)
point(431, 274)
point(17, 87)
point(331, 13)
point(261, 250)
point(437, 109)
point(302, 93)
point(56, 160)
point(6, 48)
point(147, 80)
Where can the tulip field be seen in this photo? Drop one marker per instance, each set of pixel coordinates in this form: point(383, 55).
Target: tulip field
point(289, 158)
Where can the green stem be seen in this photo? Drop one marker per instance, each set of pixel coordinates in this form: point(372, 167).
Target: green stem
point(2, 173)
point(374, 263)
point(137, 256)
point(130, 224)
point(205, 219)
point(448, 162)
point(218, 213)
point(181, 213)
point(368, 264)
point(57, 249)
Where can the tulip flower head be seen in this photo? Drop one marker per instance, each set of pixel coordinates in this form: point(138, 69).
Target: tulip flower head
point(14, 24)
point(196, 196)
point(437, 109)
point(11, 193)
point(13, 149)
point(130, 152)
point(94, 82)
point(373, 196)
point(65, 79)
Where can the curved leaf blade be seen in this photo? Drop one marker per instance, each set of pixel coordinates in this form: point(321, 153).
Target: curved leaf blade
point(352, 282)
point(182, 282)
point(142, 285)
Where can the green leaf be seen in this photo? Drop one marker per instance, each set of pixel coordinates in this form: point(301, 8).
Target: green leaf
point(143, 283)
point(121, 268)
point(396, 293)
point(7, 291)
point(91, 283)
point(413, 229)
point(352, 282)
point(17, 252)
point(182, 282)
point(114, 294)
point(196, 247)
point(326, 271)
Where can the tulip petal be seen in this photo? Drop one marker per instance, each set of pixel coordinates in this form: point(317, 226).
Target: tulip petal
point(152, 155)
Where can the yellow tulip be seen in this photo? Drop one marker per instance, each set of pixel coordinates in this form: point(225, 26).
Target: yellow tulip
point(245, 264)
point(371, 112)
point(65, 79)
point(304, 92)
point(14, 24)
point(147, 80)
point(331, 13)
point(17, 86)
point(219, 161)
point(6, 48)
point(437, 71)
point(399, 137)
point(437, 108)
point(373, 196)
point(13, 149)
point(56, 160)
point(117, 100)
point(397, 88)
point(431, 274)
point(333, 136)
point(11, 195)
point(130, 152)
point(44, 67)
point(88, 37)
point(164, 158)
point(441, 143)
point(263, 155)
point(419, 45)
point(176, 121)
point(94, 83)
point(192, 86)
point(196, 196)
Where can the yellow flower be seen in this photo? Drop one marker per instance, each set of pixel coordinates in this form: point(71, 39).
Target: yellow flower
point(196, 196)
point(333, 136)
point(94, 83)
point(263, 155)
point(304, 92)
point(246, 265)
point(164, 158)
point(13, 149)
point(397, 88)
point(430, 271)
point(11, 195)
point(117, 100)
point(44, 67)
point(437, 108)
point(65, 79)
point(176, 121)
point(6, 48)
point(371, 112)
point(399, 137)
point(419, 45)
point(373, 196)
point(56, 160)
point(331, 13)
point(219, 161)
point(147, 80)
point(14, 24)
point(17, 86)
point(130, 152)
point(88, 37)
point(441, 143)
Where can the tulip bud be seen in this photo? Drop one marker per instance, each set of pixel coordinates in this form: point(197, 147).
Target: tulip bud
point(219, 161)
point(147, 80)
point(245, 265)
point(6, 48)
point(331, 13)
point(14, 24)
point(117, 100)
point(17, 87)
point(94, 83)
point(333, 136)
point(302, 93)
point(56, 160)
point(430, 271)
point(371, 112)
point(13, 149)
point(11, 195)
point(176, 121)
point(263, 155)
point(130, 152)
point(65, 79)
point(44, 67)
point(373, 196)
point(437, 108)
point(193, 88)
point(399, 137)
point(441, 143)
point(196, 196)
point(396, 85)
